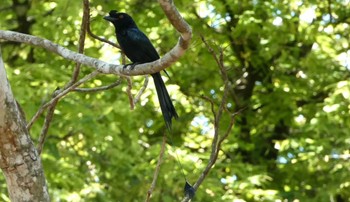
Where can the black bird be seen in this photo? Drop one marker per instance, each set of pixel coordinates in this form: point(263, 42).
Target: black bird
point(138, 48)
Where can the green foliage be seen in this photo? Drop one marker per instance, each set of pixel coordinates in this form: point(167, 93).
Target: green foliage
point(287, 61)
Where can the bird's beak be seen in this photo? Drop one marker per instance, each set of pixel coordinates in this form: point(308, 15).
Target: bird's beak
point(108, 18)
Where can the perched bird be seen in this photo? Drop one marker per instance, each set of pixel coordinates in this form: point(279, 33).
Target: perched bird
point(138, 48)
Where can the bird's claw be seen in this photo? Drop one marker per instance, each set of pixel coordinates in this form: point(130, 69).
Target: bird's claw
point(132, 65)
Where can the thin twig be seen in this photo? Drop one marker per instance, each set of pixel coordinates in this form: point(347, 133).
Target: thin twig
point(88, 29)
point(65, 137)
point(211, 105)
point(128, 92)
point(219, 60)
point(46, 126)
point(50, 112)
point(222, 106)
point(216, 142)
point(211, 50)
point(129, 87)
point(142, 90)
point(216, 145)
point(82, 36)
point(223, 103)
point(61, 94)
point(100, 38)
point(156, 172)
point(228, 131)
point(97, 89)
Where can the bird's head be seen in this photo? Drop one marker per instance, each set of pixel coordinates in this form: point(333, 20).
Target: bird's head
point(120, 20)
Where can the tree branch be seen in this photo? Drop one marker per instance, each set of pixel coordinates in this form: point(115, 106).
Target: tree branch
point(102, 67)
point(217, 140)
point(147, 68)
point(61, 94)
point(128, 92)
point(81, 44)
point(178, 22)
point(19, 160)
point(86, 4)
point(97, 89)
point(156, 172)
point(45, 128)
point(142, 90)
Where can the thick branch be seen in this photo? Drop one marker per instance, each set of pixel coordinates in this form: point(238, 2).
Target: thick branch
point(148, 68)
point(178, 22)
point(19, 160)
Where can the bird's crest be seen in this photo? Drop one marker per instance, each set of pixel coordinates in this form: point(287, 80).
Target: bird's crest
point(113, 13)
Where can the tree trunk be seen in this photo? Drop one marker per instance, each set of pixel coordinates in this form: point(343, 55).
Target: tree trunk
point(19, 159)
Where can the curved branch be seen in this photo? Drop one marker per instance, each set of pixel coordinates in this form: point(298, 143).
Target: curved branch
point(147, 68)
point(178, 22)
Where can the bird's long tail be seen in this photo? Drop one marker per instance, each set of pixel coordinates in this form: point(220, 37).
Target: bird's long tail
point(165, 102)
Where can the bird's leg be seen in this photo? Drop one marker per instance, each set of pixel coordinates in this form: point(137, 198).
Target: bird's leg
point(132, 65)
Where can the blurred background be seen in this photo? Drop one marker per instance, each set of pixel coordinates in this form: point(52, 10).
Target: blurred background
point(288, 63)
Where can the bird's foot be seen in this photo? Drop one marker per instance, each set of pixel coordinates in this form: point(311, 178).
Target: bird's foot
point(132, 65)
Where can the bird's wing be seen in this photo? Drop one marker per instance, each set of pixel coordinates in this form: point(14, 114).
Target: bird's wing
point(137, 47)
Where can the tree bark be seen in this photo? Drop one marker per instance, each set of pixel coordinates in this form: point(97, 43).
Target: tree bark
point(19, 159)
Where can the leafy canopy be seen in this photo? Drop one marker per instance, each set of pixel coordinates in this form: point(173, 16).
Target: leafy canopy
point(287, 61)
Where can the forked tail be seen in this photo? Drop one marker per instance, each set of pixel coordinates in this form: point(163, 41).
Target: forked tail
point(166, 105)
